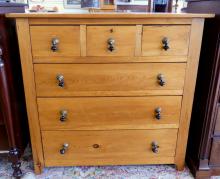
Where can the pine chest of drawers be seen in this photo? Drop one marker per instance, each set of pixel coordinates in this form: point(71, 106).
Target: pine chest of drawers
point(109, 89)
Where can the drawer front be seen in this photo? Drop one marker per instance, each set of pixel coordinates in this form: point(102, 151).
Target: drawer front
point(52, 41)
point(107, 147)
point(105, 113)
point(165, 40)
point(111, 40)
point(109, 79)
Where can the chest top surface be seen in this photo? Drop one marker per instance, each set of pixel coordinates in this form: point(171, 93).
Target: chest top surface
point(104, 15)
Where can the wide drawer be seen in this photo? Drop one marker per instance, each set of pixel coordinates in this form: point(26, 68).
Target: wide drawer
point(121, 37)
point(109, 147)
point(109, 79)
point(55, 41)
point(102, 113)
point(163, 40)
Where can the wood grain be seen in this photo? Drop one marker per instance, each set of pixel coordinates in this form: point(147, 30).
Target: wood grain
point(110, 97)
point(138, 45)
point(115, 15)
point(116, 147)
point(190, 81)
point(30, 92)
point(108, 79)
point(69, 40)
point(98, 36)
point(109, 113)
point(108, 21)
point(110, 59)
point(83, 40)
point(178, 37)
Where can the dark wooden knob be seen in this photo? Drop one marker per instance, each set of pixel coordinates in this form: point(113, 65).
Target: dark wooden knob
point(64, 148)
point(161, 79)
point(155, 147)
point(158, 113)
point(60, 79)
point(165, 42)
point(54, 44)
point(95, 146)
point(111, 44)
point(63, 115)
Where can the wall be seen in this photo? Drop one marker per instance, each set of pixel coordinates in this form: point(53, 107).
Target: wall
point(59, 3)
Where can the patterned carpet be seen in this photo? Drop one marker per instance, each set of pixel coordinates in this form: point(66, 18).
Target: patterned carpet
point(107, 172)
point(113, 172)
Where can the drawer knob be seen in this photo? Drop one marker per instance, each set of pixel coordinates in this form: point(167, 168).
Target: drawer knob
point(155, 147)
point(95, 146)
point(111, 44)
point(60, 79)
point(165, 42)
point(64, 148)
point(63, 115)
point(158, 113)
point(54, 44)
point(161, 79)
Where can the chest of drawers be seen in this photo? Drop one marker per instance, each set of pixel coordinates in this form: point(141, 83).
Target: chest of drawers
point(109, 89)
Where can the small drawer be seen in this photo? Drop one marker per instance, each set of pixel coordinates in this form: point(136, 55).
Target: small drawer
point(162, 40)
point(107, 113)
point(109, 79)
point(55, 41)
point(111, 40)
point(108, 147)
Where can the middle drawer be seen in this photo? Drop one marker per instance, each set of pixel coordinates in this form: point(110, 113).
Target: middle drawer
point(107, 113)
point(136, 79)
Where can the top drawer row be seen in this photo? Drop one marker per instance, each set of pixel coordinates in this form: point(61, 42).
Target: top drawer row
point(70, 41)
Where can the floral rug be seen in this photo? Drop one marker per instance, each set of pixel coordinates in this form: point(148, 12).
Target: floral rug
point(106, 172)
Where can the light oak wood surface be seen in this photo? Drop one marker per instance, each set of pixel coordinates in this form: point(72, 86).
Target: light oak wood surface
point(109, 21)
point(115, 147)
point(189, 89)
point(106, 15)
point(110, 59)
point(68, 36)
point(110, 97)
point(98, 36)
point(30, 93)
point(108, 79)
point(109, 113)
point(178, 40)
point(138, 45)
point(82, 41)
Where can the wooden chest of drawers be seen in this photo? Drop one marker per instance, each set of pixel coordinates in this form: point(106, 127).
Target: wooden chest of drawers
point(109, 89)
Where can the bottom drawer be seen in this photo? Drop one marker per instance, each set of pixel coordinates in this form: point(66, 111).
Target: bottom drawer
point(119, 147)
